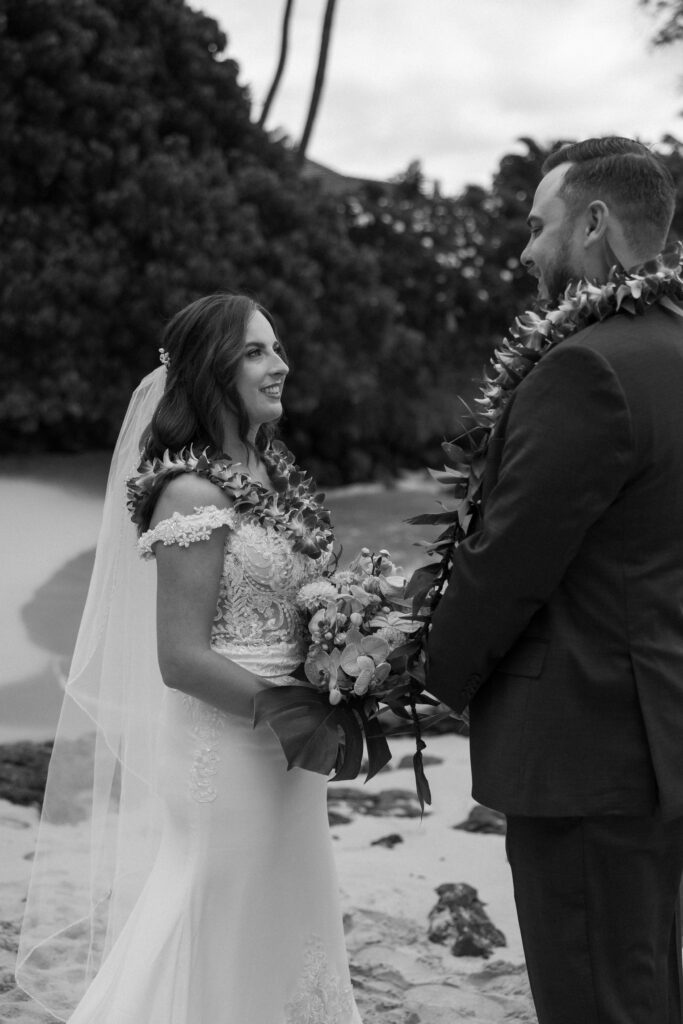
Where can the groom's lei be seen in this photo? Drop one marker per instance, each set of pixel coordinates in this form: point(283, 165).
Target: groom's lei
point(531, 337)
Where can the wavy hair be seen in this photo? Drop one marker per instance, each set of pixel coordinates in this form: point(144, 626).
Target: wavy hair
point(204, 342)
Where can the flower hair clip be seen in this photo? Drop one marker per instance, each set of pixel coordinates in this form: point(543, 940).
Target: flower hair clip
point(164, 358)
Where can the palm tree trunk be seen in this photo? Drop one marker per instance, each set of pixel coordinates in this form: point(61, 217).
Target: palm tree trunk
point(284, 42)
point(319, 79)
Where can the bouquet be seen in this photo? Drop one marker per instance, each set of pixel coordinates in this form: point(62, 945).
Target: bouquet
point(366, 626)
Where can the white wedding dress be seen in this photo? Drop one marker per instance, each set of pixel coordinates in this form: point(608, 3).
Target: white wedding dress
point(239, 921)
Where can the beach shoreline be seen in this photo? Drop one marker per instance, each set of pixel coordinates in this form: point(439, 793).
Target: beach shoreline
point(387, 887)
point(387, 890)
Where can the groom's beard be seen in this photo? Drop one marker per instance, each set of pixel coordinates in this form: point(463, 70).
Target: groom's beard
point(559, 272)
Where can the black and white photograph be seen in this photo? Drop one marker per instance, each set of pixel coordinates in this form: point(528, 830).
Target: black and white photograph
point(341, 492)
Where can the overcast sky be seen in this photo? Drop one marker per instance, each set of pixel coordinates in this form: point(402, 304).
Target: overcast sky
point(454, 83)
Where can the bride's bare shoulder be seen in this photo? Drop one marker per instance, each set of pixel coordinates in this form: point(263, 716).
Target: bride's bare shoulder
point(186, 493)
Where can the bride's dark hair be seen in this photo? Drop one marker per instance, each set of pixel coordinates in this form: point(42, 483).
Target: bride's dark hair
point(204, 342)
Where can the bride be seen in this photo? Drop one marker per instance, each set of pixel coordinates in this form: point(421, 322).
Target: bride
point(192, 881)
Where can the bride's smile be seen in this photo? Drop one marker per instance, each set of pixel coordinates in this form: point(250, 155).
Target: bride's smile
point(261, 373)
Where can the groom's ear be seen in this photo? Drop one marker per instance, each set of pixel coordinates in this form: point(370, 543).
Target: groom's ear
point(597, 220)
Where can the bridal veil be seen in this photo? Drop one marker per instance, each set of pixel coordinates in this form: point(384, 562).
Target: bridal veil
point(101, 818)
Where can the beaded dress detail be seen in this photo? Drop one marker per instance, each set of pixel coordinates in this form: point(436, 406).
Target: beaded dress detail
point(256, 616)
point(240, 919)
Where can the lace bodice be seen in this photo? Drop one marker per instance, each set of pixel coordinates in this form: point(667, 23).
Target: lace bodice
point(261, 577)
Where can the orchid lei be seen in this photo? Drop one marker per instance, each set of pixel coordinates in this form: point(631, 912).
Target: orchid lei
point(582, 304)
point(293, 507)
point(532, 335)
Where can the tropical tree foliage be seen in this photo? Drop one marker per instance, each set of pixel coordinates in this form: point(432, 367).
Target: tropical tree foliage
point(133, 178)
point(669, 14)
point(117, 129)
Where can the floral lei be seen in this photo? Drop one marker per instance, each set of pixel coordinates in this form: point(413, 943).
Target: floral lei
point(294, 508)
point(530, 338)
point(583, 303)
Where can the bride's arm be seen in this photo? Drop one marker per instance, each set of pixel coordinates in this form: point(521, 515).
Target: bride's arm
point(187, 593)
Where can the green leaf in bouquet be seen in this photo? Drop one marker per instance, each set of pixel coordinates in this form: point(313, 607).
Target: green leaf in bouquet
point(398, 709)
point(307, 728)
point(350, 754)
point(399, 656)
point(424, 794)
point(379, 753)
point(417, 672)
point(401, 697)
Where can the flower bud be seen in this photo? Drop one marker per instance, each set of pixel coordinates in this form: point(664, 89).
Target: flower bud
point(335, 696)
point(356, 618)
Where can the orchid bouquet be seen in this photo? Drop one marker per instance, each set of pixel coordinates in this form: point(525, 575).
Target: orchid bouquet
point(365, 659)
point(357, 618)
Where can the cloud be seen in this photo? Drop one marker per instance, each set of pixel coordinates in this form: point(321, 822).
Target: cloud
point(456, 83)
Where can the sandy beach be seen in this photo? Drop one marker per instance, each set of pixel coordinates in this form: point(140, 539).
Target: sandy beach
point(389, 862)
point(388, 889)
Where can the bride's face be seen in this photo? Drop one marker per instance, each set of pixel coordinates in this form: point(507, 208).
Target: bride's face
point(261, 373)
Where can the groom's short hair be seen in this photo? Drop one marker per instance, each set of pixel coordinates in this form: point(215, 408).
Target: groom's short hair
point(628, 177)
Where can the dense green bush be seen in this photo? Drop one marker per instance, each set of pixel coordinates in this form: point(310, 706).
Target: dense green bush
point(118, 129)
point(133, 179)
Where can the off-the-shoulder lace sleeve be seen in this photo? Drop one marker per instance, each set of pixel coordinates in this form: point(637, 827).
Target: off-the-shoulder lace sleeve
point(184, 530)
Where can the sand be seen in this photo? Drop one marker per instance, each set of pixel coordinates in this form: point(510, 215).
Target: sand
point(399, 976)
point(387, 891)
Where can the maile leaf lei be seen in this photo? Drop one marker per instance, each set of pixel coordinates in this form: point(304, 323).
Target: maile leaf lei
point(532, 335)
point(293, 507)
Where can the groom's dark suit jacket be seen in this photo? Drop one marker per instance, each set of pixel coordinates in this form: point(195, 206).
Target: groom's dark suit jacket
point(562, 626)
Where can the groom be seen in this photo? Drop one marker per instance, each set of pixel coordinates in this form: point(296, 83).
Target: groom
point(562, 625)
